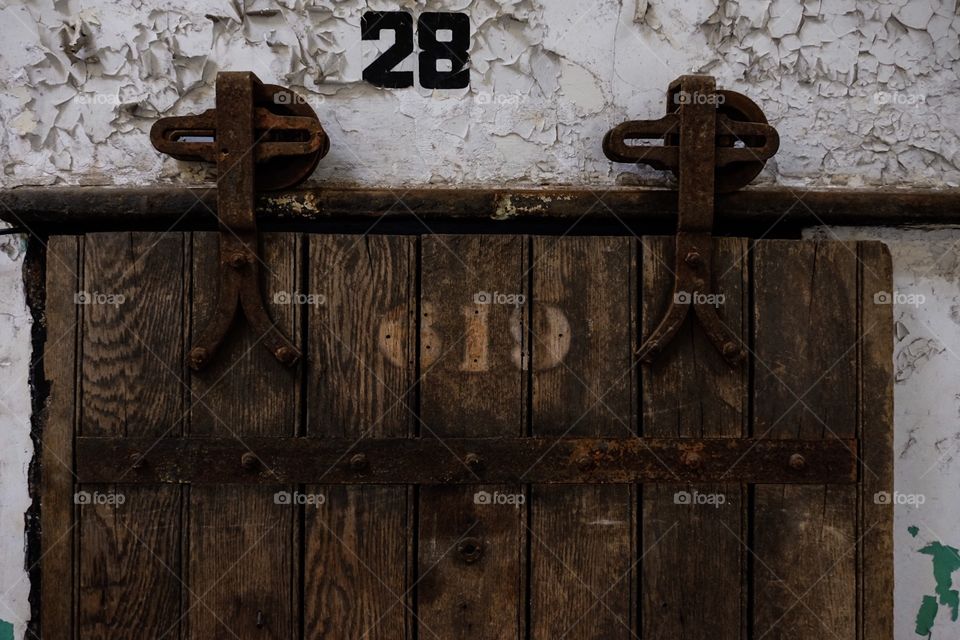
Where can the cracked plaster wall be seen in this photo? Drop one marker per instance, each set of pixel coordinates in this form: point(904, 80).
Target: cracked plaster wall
point(863, 93)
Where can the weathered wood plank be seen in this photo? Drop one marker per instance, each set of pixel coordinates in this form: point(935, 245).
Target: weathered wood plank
point(583, 538)
point(131, 385)
point(692, 590)
point(471, 566)
point(806, 343)
point(57, 481)
point(875, 431)
point(362, 366)
point(243, 543)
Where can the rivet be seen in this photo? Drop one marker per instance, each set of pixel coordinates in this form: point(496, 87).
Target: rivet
point(730, 348)
point(249, 461)
point(798, 462)
point(692, 459)
point(136, 460)
point(693, 259)
point(585, 463)
point(238, 259)
point(358, 462)
point(473, 461)
point(470, 550)
point(198, 357)
point(285, 355)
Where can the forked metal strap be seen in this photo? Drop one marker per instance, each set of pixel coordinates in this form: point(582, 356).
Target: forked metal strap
point(254, 137)
point(710, 138)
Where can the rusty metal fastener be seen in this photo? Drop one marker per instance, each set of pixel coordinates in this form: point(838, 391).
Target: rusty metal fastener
point(693, 259)
point(473, 461)
point(358, 462)
point(798, 462)
point(470, 550)
point(239, 259)
point(249, 461)
point(286, 355)
point(692, 459)
point(586, 463)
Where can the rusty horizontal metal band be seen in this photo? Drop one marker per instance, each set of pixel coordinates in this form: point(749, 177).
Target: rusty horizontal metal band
point(464, 461)
point(756, 211)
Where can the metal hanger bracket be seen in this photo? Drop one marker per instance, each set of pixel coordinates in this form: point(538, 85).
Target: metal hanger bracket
point(260, 136)
point(712, 140)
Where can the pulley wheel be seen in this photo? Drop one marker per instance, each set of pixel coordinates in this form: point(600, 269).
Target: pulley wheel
point(739, 107)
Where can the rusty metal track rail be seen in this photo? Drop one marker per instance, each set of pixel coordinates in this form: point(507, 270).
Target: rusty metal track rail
point(749, 212)
point(464, 461)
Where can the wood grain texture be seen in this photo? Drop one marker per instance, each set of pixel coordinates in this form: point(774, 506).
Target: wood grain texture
point(57, 481)
point(471, 386)
point(131, 385)
point(583, 538)
point(876, 438)
point(806, 342)
point(362, 364)
point(693, 586)
point(243, 572)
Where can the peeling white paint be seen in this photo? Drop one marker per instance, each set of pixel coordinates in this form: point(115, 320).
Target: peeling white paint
point(16, 448)
point(862, 93)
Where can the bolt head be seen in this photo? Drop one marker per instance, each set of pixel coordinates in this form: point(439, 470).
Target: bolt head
point(358, 462)
point(239, 259)
point(286, 355)
point(585, 463)
point(693, 259)
point(249, 461)
point(692, 459)
point(473, 461)
point(798, 462)
point(198, 357)
point(470, 550)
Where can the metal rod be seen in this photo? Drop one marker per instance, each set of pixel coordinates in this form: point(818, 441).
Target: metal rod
point(751, 212)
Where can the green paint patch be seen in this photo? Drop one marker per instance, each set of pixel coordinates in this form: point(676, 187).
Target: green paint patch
point(913, 531)
point(926, 616)
point(946, 561)
point(6, 630)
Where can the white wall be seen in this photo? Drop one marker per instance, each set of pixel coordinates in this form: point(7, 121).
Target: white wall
point(863, 93)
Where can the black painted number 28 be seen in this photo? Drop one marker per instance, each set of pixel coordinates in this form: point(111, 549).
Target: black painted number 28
point(450, 53)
